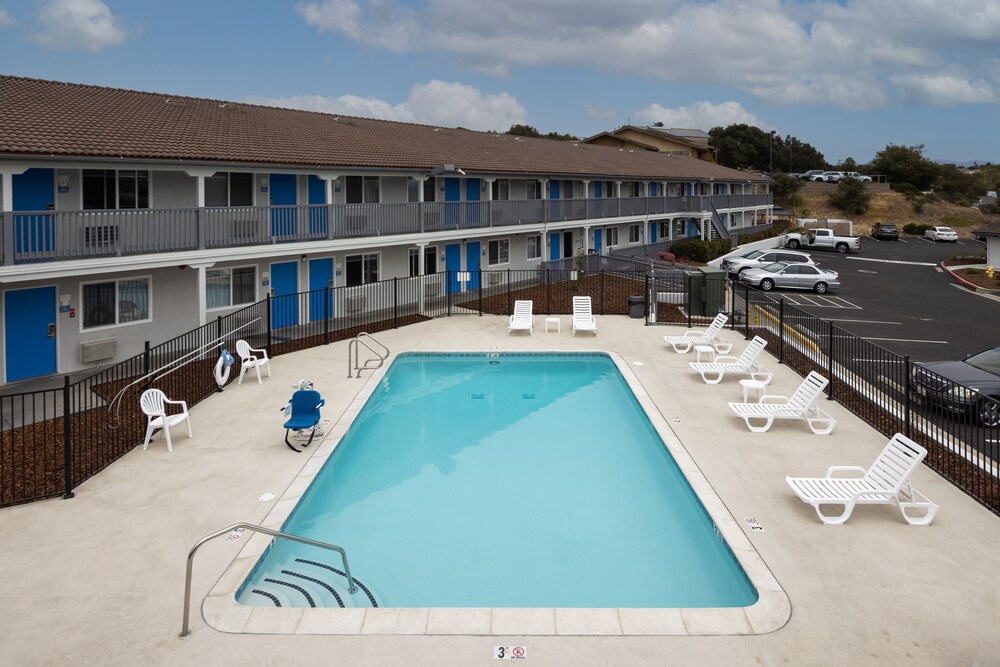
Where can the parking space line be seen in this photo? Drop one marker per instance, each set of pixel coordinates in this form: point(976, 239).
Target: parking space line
point(890, 261)
point(909, 340)
point(834, 319)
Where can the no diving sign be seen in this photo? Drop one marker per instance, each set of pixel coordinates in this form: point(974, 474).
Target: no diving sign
point(510, 653)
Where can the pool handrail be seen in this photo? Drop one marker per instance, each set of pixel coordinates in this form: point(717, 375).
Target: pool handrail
point(352, 588)
point(378, 359)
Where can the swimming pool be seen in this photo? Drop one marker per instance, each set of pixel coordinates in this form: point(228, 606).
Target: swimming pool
point(502, 480)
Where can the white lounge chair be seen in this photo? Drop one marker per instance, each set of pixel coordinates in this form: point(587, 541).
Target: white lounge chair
point(886, 482)
point(251, 358)
point(583, 316)
point(800, 405)
point(522, 319)
point(153, 403)
point(710, 336)
point(712, 372)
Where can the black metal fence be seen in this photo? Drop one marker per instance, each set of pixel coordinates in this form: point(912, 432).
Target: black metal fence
point(959, 427)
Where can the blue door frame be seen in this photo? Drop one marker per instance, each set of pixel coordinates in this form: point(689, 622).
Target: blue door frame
point(282, 194)
point(284, 288)
point(472, 263)
point(34, 190)
point(317, 216)
point(453, 263)
point(28, 315)
point(320, 275)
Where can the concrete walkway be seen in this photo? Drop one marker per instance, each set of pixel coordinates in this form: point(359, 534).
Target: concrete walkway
point(98, 580)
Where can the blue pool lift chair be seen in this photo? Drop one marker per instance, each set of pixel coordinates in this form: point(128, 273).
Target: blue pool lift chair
point(303, 413)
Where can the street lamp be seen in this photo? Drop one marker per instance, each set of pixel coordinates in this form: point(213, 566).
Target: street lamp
point(770, 155)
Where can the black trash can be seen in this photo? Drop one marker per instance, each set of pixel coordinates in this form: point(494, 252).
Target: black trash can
point(636, 307)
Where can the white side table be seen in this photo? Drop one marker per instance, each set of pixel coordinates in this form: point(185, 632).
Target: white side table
point(706, 350)
point(756, 386)
point(553, 321)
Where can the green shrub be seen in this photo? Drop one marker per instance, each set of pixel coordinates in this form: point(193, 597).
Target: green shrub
point(905, 189)
point(974, 272)
point(697, 250)
point(914, 229)
point(851, 196)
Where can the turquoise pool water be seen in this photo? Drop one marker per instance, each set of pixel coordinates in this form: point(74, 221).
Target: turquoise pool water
point(502, 480)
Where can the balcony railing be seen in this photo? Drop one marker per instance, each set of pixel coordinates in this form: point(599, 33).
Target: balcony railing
point(43, 236)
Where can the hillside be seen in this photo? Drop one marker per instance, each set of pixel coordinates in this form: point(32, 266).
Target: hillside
point(893, 207)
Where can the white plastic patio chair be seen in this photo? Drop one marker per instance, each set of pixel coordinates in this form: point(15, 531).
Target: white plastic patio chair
point(522, 319)
point(712, 372)
point(153, 403)
point(710, 336)
point(886, 482)
point(251, 358)
point(583, 316)
point(800, 405)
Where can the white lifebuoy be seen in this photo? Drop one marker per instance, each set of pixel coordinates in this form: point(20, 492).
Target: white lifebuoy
point(222, 367)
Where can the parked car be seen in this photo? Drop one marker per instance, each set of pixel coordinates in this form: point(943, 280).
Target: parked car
point(941, 234)
point(830, 176)
point(792, 276)
point(858, 177)
point(970, 386)
point(823, 238)
point(733, 266)
point(808, 175)
point(885, 230)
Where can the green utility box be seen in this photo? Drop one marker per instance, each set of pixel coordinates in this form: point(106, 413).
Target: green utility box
point(706, 291)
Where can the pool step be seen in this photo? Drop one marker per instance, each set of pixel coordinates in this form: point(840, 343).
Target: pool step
point(302, 582)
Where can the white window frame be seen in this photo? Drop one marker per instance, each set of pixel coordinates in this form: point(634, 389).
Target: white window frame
point(634, 234)
point(539, 245)
point(611, 236)
point(229, 270)
point(502, 245)
point(430, 253)
point(117, 322)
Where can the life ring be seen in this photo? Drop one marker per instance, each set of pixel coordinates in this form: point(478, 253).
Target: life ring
point(223, 366)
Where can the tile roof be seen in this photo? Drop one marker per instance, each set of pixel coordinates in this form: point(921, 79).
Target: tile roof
point(51, 118)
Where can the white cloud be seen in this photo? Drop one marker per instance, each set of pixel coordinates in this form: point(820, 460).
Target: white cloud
point(700, 115)
point(432, 103)
point(86, 25)
point(5, 19)
point(860, 55)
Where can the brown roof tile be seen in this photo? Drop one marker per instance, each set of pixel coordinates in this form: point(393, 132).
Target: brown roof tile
point(52, 118)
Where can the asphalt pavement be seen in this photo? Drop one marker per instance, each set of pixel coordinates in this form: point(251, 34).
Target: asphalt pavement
point(895, 294)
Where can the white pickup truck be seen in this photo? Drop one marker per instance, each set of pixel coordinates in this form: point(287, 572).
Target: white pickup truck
point(823, 239)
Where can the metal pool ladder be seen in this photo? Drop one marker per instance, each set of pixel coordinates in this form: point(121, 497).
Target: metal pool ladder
point(257, 529)
point(354, 367)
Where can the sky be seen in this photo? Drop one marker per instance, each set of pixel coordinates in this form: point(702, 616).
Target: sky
point(847, 76)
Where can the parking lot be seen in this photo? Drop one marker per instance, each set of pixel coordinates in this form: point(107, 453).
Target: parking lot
point(895, 294)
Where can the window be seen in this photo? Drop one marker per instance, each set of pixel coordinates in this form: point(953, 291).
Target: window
point(362, 189)
point(115, 302)
point(630, 189)
point(362, 269)
point(501, 189)
point(533, 189)
point(534, 242)
point(680, 227)
point(499, 252)
point(230, 287)
point(633, 233)
point(430, 260)
point(229, 188)
point(664, 229)
point(612, 236)
point(111, 189)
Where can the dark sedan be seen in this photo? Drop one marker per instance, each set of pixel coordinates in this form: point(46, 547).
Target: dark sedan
point(885, 230)
point(968, 386)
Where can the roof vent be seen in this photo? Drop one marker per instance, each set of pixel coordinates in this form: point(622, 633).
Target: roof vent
point(175, 102)
point(228, 105)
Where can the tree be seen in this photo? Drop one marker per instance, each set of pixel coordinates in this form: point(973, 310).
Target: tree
point(851, 196)
point(905, 164)
point(529, 131)
point(743, 146)
point(956, 186)
point(784, 187)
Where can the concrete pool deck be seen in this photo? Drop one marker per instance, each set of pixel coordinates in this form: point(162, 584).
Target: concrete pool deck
point(98, 579)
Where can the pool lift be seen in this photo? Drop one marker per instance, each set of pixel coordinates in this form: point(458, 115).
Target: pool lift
point(354, 365)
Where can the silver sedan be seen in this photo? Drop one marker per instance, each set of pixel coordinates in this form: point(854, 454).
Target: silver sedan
point(792, 276)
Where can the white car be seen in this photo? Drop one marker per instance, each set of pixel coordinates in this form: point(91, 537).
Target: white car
point(736, 264)
point(858, 177)
point(941, 234)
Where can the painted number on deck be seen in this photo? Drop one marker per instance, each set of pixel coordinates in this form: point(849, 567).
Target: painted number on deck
point(510, 653)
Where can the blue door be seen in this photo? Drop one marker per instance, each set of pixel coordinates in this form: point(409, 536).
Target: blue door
point(694, 229)
point(284, 289)
point(652, 232)
point(320, 275)
point(597, 241)
point(554, 245)
point(453, 263)
point(283, 194)
point(472, 195)
point(34, 190)
point(472, 263)
point(30, 332)
point(452, 193)
point(317, 215)
point(597, 189)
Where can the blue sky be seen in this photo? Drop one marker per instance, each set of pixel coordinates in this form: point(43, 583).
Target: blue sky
point(849, 77)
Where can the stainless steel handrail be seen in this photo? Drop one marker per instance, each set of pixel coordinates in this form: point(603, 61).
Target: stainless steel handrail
point(257, 529)
point(355, 343)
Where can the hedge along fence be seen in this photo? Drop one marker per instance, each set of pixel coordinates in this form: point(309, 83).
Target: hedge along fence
point(53, 440)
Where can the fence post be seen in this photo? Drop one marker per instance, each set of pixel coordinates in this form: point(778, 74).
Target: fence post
point(326, 314)
point(67, 433)
point(480, 283)
point(646, 303)
point(906, 395)
point(602, 291)
point(548, 291)
point(746, 315)
point(447, 277)
point(145, 359)
point(781, 330)
point(267, 321)
point(395, 303)
point(690, 286)
point(218, 330)
point(829, 361)
point(510, 308)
